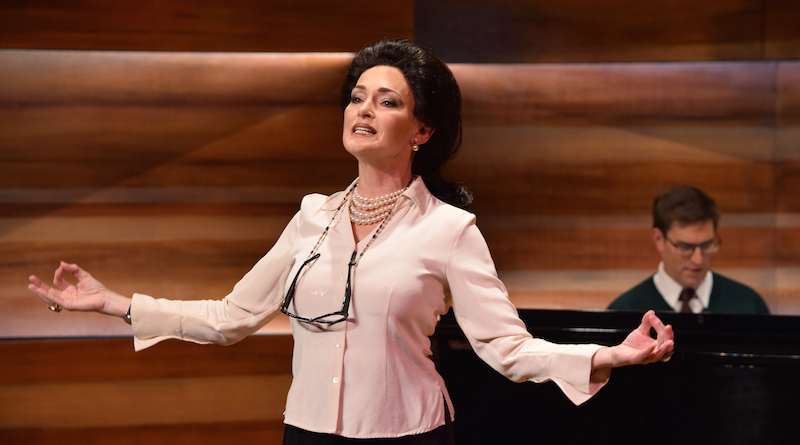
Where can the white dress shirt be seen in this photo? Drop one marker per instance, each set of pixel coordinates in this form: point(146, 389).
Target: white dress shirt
point(670, 290)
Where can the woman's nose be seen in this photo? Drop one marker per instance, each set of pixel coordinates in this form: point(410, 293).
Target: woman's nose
point(365, 109)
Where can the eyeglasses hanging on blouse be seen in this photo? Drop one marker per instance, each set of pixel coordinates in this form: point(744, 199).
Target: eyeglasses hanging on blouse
point(331, 318)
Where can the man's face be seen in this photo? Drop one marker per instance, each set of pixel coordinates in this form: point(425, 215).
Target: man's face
point(687, 268)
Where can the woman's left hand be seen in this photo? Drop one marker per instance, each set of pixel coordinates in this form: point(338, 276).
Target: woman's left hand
point(639, 347)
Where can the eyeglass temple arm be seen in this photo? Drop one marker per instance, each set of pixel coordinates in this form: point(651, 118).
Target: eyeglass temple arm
point(290, 294)
point(350, 265)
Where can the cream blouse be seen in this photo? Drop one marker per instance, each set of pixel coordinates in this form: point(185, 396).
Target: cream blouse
point(371, 376)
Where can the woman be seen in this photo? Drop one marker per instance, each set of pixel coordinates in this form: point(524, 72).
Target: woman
point(366, 272)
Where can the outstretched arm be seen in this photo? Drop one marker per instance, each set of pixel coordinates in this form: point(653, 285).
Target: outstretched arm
point(87, 295)
point(639, 348)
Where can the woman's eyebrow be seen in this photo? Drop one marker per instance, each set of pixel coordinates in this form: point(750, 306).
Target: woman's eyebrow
point(380, 90)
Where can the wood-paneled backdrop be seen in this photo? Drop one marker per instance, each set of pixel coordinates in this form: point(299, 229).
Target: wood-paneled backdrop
point(163, 145)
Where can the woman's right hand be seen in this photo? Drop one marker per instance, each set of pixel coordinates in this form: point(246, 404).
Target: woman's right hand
point(87, 295)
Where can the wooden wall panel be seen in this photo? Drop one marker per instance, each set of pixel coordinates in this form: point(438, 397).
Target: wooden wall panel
point(611, 188)
point(31, 362)
point(782, 38)
point(787, 186)
point(203, 25)
point(89, 390)
point(514, 31)
point(95, 119)
point(659, 94)
point(604, 139)
point(506, 31)
point(787, 171)
point(264, 432)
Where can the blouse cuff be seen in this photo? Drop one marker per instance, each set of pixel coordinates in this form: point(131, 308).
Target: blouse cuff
point(576, 369)
point(146, 331)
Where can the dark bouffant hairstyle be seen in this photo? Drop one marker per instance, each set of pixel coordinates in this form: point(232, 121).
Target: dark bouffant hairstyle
point(684, 205)
point(437, 100)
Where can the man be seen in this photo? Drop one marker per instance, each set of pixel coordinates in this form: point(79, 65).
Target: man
point(685, 234)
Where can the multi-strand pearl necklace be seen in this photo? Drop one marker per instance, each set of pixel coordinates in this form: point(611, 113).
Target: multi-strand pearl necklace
point(338, 209)
point(366, 211)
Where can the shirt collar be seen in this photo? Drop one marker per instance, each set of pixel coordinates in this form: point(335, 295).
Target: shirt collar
point(671, 289)
point(417, 195)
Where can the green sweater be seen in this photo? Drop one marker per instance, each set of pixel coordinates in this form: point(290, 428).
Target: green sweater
point(727, 296)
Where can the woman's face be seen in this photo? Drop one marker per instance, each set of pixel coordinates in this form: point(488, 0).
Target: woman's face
point(379, 123)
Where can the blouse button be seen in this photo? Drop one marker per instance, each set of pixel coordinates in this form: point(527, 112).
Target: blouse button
point(338, 345)
point(336, 380)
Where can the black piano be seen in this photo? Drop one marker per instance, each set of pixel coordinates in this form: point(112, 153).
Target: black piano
point(733, 379)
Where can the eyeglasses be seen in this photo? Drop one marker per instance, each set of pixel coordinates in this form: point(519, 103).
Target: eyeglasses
point(686, 250)
point(333, 317)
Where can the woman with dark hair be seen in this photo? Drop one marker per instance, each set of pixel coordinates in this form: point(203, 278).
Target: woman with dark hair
point(437, 104)
point(365, 273)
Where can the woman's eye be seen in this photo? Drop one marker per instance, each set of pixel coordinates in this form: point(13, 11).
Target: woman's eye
point(355, 100)
point(388, 103)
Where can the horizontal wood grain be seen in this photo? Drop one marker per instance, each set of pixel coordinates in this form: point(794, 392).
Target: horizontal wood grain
point(286, 207)
point(513, 31)
point(789, 93)
point(611, 188)
point(584, 141)
point(782, 35)
point(787, 245)
point(137, 229)
point(701, 92)
point(175, 25)
point(175, 78)
point(92, 388)
point(138, 119)
point(787, 180)
point(788, 134)
point(143, 402)
point(113, 359)
point(263, 432)
point(527, 31)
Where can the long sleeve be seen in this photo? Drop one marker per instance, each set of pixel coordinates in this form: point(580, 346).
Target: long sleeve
point(253, 302)
point(492, 325)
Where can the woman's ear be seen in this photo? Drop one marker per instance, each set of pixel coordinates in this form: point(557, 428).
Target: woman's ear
point(424, 134)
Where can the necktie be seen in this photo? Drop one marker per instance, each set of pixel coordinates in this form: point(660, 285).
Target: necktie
point(686, 295)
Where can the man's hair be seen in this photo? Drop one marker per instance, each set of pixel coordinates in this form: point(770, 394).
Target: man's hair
point(684, 205)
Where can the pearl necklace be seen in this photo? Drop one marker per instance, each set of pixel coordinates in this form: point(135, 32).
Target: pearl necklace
point(338, 209)
point(366, 211)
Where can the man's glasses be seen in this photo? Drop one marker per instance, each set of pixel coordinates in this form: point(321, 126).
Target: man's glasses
point(333, 317)
point(686, 250)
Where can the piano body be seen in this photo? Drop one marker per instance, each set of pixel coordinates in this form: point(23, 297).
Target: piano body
point(733, 379)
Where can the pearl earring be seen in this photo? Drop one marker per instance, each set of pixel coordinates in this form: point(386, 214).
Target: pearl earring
point(415, 147)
